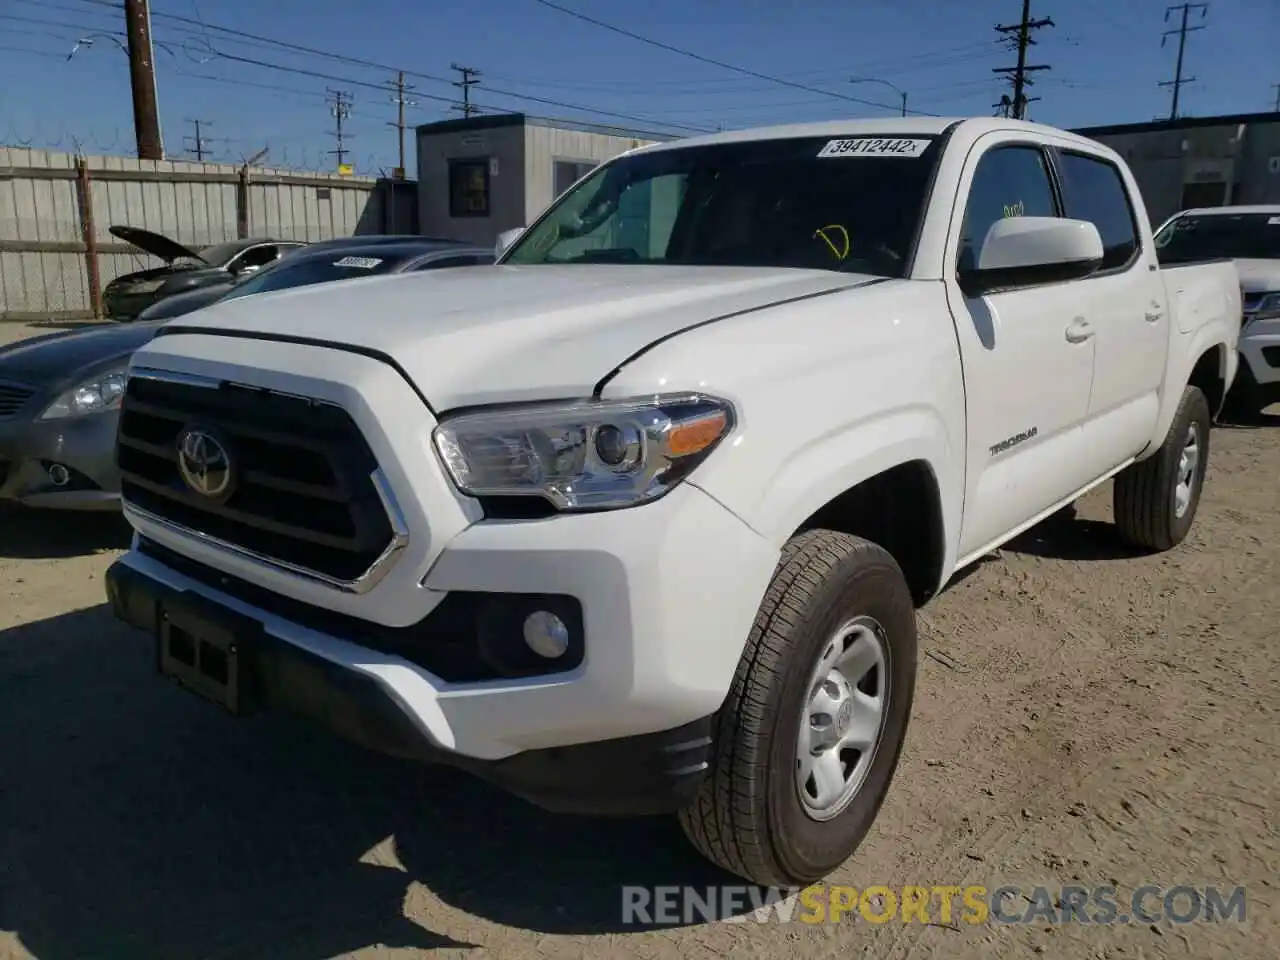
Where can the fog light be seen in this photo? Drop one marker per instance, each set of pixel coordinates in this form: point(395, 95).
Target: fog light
point(59, 475)
point(546, 634)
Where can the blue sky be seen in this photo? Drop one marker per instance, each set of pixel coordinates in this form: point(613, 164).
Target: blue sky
point(1105, 55)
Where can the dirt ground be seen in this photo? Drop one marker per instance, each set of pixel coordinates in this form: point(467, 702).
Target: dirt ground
point(1083, 715)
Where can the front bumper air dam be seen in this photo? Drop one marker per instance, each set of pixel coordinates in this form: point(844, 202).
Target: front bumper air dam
point(666, 613)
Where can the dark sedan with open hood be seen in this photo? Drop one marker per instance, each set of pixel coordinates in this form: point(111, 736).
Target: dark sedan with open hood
point(184, 269)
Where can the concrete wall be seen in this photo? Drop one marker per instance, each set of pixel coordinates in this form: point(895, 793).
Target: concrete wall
point(1166, 161)
point(46, 250)
point(503, 148)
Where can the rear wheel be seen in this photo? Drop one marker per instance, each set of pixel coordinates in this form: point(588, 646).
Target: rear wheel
point(1155, 500)
point(810, 734)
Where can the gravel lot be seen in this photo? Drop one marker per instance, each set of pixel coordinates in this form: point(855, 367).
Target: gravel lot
point(1084, 715)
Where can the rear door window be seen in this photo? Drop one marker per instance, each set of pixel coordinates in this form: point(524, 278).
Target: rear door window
point(1093, 190)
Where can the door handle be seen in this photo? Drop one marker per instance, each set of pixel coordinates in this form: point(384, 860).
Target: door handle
point(1153, 316)
point(1079, 331)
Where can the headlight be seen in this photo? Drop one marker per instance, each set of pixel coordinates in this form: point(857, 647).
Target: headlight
point(103, 392)
point(584, 455)
point(146, 286)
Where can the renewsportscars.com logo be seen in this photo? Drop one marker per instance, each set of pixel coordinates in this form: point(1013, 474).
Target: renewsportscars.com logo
point(943, 904)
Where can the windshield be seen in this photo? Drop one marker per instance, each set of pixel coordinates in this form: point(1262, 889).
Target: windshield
point(287, 273)
point(1242, 236)
point(845, 204)
point(220, 254)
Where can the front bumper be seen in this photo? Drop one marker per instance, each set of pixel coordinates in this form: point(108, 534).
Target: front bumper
point(668, 593)
point(1260, 349)
point(85, 446)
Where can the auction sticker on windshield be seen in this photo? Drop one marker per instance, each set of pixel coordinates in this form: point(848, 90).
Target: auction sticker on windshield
point(365, 263)
point(874, 147)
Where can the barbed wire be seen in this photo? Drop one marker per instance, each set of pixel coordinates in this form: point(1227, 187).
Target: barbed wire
point(114, 140)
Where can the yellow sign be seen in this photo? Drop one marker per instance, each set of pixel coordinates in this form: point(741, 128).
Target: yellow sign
point(346, 169)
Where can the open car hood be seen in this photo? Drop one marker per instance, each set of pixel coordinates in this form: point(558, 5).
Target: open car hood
point(154, 244)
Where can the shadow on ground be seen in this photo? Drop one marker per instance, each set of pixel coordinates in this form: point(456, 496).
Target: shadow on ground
point(1250, 421)
point(1065, 536)
point(142, 822)
point(42, 534)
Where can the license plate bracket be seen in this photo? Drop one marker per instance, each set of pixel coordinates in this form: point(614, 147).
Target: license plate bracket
point(203, 654)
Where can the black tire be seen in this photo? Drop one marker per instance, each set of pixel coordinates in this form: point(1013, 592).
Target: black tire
point(1144, 496)
point(748, 816)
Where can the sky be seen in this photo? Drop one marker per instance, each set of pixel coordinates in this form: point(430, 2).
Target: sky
point(795, 60)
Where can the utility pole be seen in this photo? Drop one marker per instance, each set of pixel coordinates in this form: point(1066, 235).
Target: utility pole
point(468, 80)
point(1023, 40)
point(198, 145)
point(401, 88)
point(340, 109)
point(142, 78)
point(1182, 32)
point(1276, 87)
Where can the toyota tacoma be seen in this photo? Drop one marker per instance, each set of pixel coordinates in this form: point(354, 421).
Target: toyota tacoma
point(637, 519)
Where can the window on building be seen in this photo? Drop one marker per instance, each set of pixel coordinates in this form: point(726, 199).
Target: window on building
point(469, 187)
point(565, 173)
point(1093, 190)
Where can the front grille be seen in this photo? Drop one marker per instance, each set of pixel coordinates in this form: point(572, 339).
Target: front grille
point(13, 397)
point(304, 496)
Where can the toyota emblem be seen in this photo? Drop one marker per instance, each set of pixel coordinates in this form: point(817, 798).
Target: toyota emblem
point(204, 463)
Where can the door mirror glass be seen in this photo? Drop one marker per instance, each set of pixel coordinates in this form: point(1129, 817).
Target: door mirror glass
point(1021, 251)
point(505, 239)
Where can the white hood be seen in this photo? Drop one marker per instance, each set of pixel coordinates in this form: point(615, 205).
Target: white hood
point(1259, 276)
point(506, 334)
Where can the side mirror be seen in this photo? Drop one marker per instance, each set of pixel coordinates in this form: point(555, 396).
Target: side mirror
point(1021, 251)
point(505, 239)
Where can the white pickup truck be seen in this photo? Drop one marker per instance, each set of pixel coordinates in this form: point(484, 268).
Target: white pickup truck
point(637, 520)
point(1250, 237)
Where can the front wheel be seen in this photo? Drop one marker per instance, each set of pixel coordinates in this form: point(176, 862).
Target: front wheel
point(809, 736)
point(1155, 500)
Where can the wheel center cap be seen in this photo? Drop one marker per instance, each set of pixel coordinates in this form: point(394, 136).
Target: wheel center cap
point(843, 717)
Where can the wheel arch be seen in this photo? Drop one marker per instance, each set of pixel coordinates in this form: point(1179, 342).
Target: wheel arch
point(1209, 364)
point(856, 478)
point(900, 509)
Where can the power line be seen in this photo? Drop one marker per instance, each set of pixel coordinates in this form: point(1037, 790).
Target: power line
point(205, 26)
point(1182, 31)
point(301, 71)
point(469, 79)
point(294, 91)
point(340, 108)
point(729, 85)
point(1017, 107)
point(79, 28)
point(715, 63)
